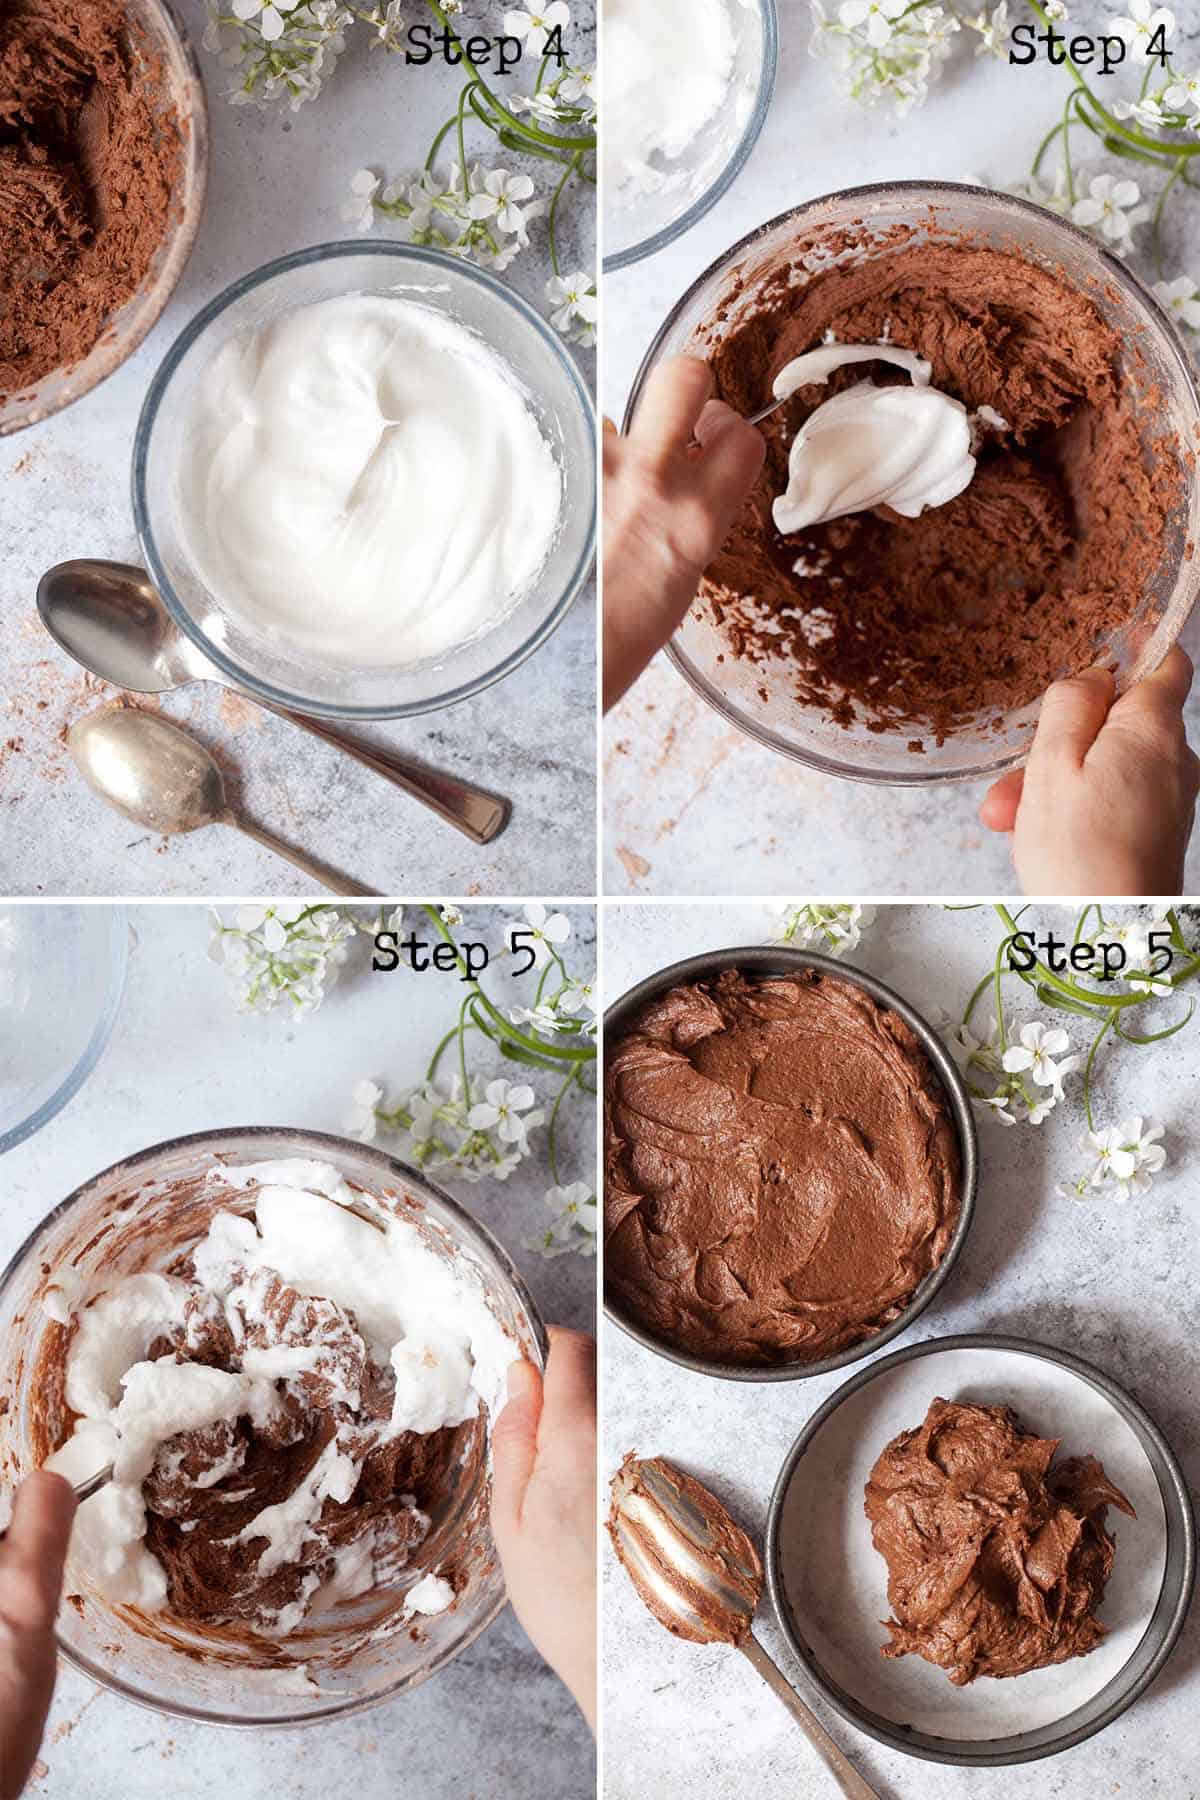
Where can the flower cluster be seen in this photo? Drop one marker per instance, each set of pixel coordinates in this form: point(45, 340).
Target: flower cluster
point(572, 1222)
point(833, 927)
point(1026, 1078)
point(286, 953)
point(476, 1132)
point(480, 214)
point(885, 49)
point(1128, 1156)
point(282, 54)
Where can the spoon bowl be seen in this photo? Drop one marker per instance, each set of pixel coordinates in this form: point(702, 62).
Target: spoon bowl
point(162, 779)
point(110, 618)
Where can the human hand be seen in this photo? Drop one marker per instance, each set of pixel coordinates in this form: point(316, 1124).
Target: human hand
point(672, 489)
point(31, 1568)
point(1106, 802)
point(544, 1507)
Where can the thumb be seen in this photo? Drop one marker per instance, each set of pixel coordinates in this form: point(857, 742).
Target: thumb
point(514, 1444)
point(1073, 712)
point(1000, 803)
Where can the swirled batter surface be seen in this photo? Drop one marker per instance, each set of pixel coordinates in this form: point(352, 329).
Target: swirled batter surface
point(997, 1563)
point(781, 1168)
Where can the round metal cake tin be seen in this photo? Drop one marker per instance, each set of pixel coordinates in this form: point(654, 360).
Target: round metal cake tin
point(1140, 1669)
point(759, 960)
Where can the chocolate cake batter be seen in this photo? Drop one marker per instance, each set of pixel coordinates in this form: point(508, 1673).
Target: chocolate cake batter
point(996, 1562)
point(88, 155)
point(781, 1168)
point(206, 1486)
point(973, 608)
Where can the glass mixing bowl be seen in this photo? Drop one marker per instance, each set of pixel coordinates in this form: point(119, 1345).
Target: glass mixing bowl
point(106, 1229)
point(1156, 369)
point(552, 387)
point(641, 224)
point(160, 47)
point(62, 972)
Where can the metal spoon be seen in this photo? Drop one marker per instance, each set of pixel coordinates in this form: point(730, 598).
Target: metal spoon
point(702, 1578)
point(158, 776)
point(109, 617)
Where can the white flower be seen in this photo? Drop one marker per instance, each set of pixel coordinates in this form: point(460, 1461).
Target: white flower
point(270, 922)
point(451, 915)
point(1147, 983)
point(359, 209)
point(360, 1119)
point(877, 16)
point(1147, 112)
point(500, 1111)
point(1112, 206)
point(999, 1104)
point(1181, 297)
point(1129, 1152)
point(1056, 10)
point(573, 1226)
point(980, 1052)
point(1183, 96)
point(543, 1018)
point(542, 105)
point(1054, 199)
point(547, 933)
point(1140, 30)
point(1039, 1045)
point(576, 88)
point(499, 199)
point(578, 997)
point(535, 27)
point(993, 31)
point(573, 306)
point(268, 19)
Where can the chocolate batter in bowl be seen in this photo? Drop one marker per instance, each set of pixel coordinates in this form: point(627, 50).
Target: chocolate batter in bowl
point(790, 1164)
point(222, 1647)
point(103, 167)
point(905, 650)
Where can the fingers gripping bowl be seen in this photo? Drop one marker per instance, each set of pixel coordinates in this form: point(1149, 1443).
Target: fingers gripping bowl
point(355, 1644)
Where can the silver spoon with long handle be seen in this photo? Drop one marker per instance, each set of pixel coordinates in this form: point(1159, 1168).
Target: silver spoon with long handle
point(702, 1578)
point(158, 776)
point(109, 617)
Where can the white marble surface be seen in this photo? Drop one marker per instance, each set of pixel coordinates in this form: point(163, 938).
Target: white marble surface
point(1115, 1284)
point(691, 805)
point(181, 1059)
point(277, 183)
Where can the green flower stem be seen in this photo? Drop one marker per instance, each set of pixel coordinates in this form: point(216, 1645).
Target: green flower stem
point(552, 1126)
point(1099, 1038)
point(572, 168)
point(512, 120)
point(503, 1029)
point(1088, 997)
point(1113, 125)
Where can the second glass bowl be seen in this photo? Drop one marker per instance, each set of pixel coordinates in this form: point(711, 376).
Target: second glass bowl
point(861, 222)
point(552, 387)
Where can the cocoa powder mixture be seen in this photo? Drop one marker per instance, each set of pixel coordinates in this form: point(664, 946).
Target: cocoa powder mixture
point(997, 1562)
point(781, 1169)
point(976, 606)
point(89, 151)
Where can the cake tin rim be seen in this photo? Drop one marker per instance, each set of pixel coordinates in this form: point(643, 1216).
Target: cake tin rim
point(330, 1144)
point(768, 75)
point(332, 250)
point(784, 959)
point(901, 776)
point(1172, 1487)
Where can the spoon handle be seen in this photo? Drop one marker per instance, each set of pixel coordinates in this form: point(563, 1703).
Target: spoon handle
point(843, 1771)
point(472, 810)
point(312, 866)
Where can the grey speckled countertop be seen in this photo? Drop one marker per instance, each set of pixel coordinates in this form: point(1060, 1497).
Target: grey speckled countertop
point(691, 805)
point(1115, 1284)
point(496, 1722)
point(277, 182)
